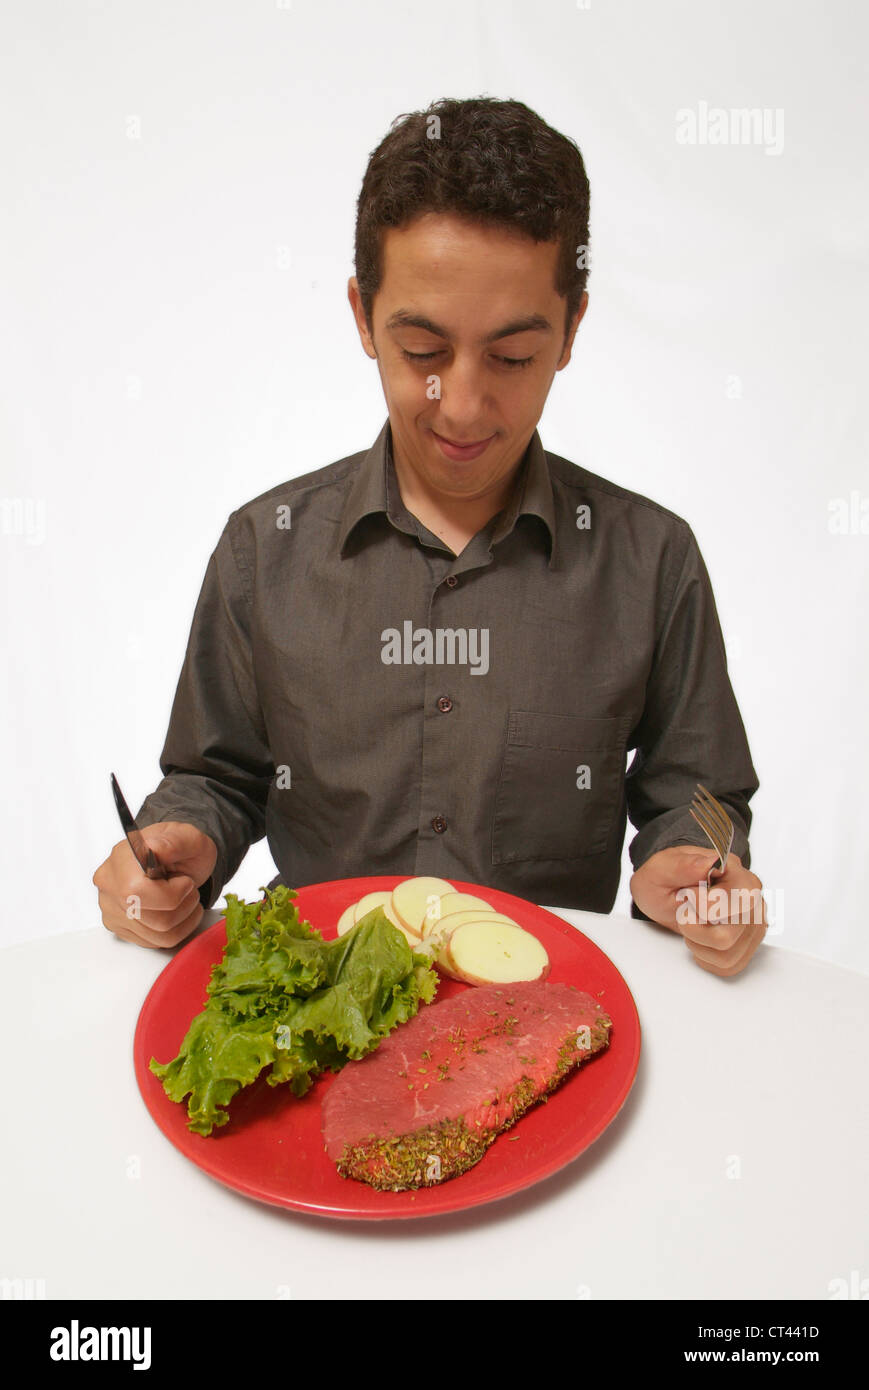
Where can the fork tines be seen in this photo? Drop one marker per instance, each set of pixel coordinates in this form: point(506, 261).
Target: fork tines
point(714, 821)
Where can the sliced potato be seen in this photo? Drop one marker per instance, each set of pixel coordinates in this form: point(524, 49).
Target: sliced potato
point(412, 898)
point(371, 900)
point(458, 902)
point(494, 953)
point(448, 925)
point(445, 964)
point(443, 930)
point(412, 936)
point(444, 925)
point(347, 919)
point(386, 909)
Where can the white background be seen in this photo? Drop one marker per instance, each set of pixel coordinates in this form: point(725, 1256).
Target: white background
point(178, 195)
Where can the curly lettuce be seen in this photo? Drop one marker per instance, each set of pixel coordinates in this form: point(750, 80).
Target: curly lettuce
point(282, 997)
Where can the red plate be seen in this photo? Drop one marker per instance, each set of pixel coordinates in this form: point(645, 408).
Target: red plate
point(272, 1148)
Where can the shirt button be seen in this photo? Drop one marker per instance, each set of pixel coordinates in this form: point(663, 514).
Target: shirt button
point(451, 581)
point(439, 825)
point(445, 704)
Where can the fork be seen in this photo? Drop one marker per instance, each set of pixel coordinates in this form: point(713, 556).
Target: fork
point(716, 825)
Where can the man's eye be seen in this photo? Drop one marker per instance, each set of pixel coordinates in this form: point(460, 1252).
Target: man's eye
point(507, 361)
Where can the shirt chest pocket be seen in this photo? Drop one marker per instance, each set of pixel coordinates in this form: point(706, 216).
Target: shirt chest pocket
point(561, 786)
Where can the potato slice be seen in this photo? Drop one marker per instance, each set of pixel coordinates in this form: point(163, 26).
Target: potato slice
point(458, 902)
point(347, 919)
point(374, 900)
point(371, 900)
point(444, 962)
point(494, 953)
point(411, 900)
point(448, 925)
point(442, 929)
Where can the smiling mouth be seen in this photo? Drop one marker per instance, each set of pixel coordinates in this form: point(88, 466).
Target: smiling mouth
point(463, 443)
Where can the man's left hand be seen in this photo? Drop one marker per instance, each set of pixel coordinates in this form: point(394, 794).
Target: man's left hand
point(722, 925)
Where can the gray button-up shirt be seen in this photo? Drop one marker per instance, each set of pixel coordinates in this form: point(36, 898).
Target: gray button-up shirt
point(377, 705)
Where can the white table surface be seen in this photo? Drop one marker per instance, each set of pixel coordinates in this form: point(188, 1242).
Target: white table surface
point(763, 1074)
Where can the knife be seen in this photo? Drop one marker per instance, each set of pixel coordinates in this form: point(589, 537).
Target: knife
point(145, 857)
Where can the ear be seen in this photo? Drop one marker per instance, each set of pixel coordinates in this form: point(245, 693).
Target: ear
point(355, 298)
point(577, 319)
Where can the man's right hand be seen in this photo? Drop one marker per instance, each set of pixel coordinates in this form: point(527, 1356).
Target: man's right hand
point(150, 911)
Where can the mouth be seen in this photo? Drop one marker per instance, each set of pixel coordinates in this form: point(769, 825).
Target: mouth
point(459, 450)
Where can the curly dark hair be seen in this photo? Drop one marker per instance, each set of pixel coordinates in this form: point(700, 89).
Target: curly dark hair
point(495, 162)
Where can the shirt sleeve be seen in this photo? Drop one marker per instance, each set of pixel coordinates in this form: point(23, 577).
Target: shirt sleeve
point(691, 730)
point(216, 762)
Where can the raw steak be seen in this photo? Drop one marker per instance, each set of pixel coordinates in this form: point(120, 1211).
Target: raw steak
point(428, 1103)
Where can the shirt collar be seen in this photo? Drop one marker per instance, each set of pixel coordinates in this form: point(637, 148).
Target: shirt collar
point(375, 489)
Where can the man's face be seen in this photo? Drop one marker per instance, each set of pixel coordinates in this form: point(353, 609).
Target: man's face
point(449, 291)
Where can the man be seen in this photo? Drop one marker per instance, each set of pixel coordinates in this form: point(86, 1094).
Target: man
point(434, 656)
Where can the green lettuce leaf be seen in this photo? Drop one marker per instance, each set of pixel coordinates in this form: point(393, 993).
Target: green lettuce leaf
point(282, 997)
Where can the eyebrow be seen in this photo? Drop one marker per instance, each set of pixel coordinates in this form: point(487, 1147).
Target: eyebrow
point(531, 323)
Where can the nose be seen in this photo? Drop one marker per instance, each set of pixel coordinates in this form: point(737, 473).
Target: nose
point(464, 402)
